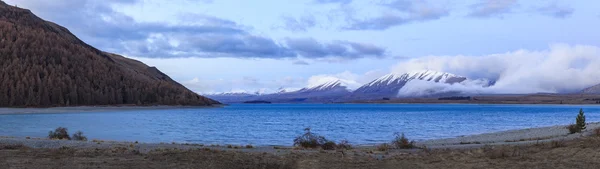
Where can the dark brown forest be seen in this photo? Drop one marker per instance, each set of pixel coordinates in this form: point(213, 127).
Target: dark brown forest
point(43, 65)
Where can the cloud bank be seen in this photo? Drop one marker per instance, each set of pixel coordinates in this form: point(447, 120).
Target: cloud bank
point(561, 69)
point(399, 12)
point(193, 35)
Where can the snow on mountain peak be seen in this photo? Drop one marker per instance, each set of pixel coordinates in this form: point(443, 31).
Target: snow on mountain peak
point(427, 75)
point(324, 83)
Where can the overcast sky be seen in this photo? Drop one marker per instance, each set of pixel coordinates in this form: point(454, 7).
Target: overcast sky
point(233, 45)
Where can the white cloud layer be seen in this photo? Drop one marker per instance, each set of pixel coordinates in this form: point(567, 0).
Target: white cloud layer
point(561, 69)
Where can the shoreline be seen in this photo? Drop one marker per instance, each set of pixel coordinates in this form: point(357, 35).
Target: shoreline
point(94, 109)
point(510, 137)
point(580, 149)
point(559, 99)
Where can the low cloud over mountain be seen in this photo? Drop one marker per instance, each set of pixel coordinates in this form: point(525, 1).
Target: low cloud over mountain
point(561, 69)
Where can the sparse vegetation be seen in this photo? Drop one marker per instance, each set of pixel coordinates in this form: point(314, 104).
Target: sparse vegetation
point(59, 133)
point(597, 132)
point(573, 129)
point(579, 123)
point(401, 142)
point(558, 143)
point(329, 145)
point(309, 140)
point(383, 147)
point(344, 145)
point(249, 146)
point(79, 136)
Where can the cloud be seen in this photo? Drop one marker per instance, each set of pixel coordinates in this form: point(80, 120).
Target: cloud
point(195, 35)
point(310, 48)
point(561, 69)
point(333, 1)
point(244, 84)
point(427, 88)
point(301, 62)
point(399, 12)
point(492, 8)
point(299, 25)
point(554, 10)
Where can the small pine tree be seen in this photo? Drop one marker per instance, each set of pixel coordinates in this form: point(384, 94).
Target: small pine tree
point(580, 120)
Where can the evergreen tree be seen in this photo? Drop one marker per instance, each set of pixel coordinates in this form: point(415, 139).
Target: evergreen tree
point(580, 120)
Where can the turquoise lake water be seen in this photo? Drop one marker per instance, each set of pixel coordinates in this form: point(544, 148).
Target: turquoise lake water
point(278, 124)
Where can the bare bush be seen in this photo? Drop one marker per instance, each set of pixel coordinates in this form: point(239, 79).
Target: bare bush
point(59, 133)
point(309, 140)
point(329, 145)
point(383, 147)
point(79, 136)
point(344, 144)
point(401, 142)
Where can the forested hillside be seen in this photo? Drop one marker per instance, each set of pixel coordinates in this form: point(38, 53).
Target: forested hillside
point(42, 65)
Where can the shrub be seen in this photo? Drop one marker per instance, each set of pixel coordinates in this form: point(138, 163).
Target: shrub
point(79, 136)
point(580, 120)
point(579, 123)
point(309, 140)
point(573, 129)
point(344, 144)
point(249, 146)
point(329, 145)
point(401, 142)
point(383, 147)
point(59, 133)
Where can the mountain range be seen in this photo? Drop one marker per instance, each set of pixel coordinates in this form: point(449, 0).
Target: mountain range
point(330, 91)
point(385, 87)
point(45, 65)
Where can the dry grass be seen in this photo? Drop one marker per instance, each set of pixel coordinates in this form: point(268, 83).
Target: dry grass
point(580, 153)
point(383, 147)
point(596, 132)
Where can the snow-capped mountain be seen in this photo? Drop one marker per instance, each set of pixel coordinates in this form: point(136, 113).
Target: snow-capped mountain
point(327, 86)
point(230, 97)
point(389, 85)
point(327, 91)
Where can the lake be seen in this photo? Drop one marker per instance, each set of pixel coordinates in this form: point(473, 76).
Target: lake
point(278, 124)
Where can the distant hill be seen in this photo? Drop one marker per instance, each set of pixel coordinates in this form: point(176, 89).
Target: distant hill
point(592, 90)
point(44, 65)
point(326, 92)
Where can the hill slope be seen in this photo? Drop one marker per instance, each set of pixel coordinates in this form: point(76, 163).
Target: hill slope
point(592, 90)
point(43, 65)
